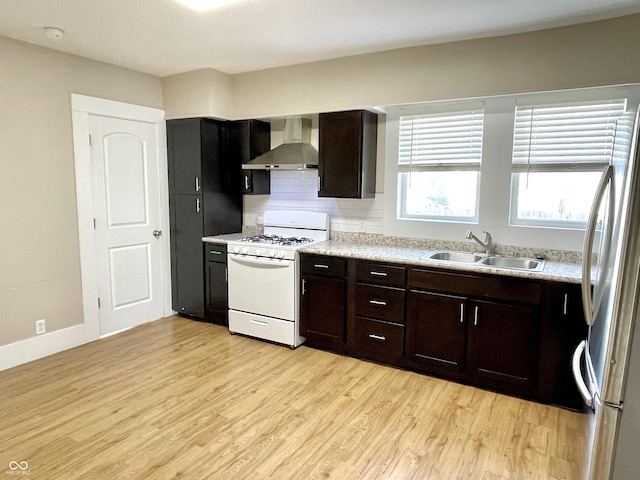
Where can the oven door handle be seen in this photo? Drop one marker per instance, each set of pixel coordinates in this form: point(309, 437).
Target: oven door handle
point(260, 262)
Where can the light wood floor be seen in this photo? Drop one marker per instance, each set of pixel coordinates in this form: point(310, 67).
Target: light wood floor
point(179, 399)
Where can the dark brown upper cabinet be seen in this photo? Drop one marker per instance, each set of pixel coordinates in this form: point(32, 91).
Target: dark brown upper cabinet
point(347, 154)
point(246, 140)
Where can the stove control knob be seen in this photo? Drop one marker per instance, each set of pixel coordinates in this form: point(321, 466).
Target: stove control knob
point(244, 250)
point(258, 252)
point(236, 249)
point(272, 253)
point(280, 254)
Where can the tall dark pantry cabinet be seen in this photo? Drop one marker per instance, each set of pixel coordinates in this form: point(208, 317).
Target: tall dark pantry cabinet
point(204, 199)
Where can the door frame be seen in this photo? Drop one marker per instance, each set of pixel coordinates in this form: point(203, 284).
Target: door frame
point(81, 107)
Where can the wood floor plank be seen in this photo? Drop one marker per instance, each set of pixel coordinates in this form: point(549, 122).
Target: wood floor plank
point(178, 399)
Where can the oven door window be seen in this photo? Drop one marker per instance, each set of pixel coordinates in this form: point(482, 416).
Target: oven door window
point(262, 286)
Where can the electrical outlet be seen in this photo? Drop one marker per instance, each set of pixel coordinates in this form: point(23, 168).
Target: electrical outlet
point(362, 226)
point(40, 327)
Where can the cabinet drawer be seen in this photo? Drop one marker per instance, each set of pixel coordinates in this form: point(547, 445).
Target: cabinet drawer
point(215, 252)
point(510, 289)
point(382, 339)
point(381, 274)
point(323, 265)
point(383, 303)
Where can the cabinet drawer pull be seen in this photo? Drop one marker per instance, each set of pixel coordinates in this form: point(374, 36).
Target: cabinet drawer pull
point(462, 313)
point(259, 322)
point(319, 265)
point(566, 301)
point(378, 302)
point(475, 316)
point(378, 274)
point(377, 337)
point(215, 252)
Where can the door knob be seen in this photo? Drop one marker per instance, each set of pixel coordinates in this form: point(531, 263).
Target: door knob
point(157, 233)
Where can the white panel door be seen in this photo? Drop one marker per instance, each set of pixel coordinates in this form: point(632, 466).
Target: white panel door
point(126, 199)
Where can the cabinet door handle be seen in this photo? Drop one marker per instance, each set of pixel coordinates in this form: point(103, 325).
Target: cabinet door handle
point(197, 205)
point(475, 316)
point(197, 184)
point(377, 337)
point(462, 313)
point(378, 274)
point(378, 302)
point(226, 274)
point(246, 182)
point(304, 286)
point(319, 265)
point(260, 322)
point(566, 301)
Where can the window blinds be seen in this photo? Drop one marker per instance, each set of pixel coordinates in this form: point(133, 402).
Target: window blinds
point(441, 141)
point(563, 136)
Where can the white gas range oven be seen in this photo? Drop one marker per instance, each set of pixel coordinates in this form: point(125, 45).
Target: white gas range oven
point(264, 275)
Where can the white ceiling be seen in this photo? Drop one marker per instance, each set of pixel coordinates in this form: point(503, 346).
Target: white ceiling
point(163, 37)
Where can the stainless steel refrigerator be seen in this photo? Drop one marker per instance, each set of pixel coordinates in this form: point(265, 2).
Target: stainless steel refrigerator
point(607, 363)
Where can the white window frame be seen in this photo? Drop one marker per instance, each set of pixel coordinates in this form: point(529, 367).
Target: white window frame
point(495, 183)
point(449, 157)
point(535, 164)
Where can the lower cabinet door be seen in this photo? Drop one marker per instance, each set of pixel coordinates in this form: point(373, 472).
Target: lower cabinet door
point(502, 345)
point(216, 290)
point(322, 311)
point(436, 331)
point(187, 256)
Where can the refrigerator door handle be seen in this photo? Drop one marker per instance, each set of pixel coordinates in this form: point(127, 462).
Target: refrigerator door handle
point(577, 374)
point(587, 250)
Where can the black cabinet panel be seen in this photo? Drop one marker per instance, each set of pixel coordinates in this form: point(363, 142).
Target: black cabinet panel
point(184, 153)
point(187, 260)
point(503, 341)
point(436, 331)
point(256, 182)
point(217, 304)
point(205, 199)
point(323, 305)
point(323, 301)
point(347, 154)
point(246, 140)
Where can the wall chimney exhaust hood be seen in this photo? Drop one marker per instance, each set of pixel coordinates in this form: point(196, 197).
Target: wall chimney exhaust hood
point(296, 153)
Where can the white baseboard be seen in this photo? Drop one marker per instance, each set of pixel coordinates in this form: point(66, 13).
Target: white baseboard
point(44, 345)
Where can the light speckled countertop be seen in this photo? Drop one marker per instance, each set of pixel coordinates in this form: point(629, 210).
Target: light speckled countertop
point(229, 237)
point(556, 271)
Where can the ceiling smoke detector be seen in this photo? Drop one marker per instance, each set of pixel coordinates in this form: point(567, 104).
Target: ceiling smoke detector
point(53, 32)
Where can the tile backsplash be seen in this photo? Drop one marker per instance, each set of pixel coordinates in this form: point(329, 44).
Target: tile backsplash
point(359, 220)
point(298, 190)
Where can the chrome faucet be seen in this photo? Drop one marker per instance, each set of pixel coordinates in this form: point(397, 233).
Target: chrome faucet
point(488, 241)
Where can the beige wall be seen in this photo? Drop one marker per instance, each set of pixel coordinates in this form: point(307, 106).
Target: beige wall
point(598, 53)
point(40, 266)
point(201, 93)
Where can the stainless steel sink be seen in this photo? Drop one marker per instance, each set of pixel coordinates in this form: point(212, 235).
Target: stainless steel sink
point(449, 256)
point(514, 263)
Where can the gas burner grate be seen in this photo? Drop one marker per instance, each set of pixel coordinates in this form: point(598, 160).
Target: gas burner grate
point(277, 240)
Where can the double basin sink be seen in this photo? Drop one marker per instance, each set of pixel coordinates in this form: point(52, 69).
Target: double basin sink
point(512, 263)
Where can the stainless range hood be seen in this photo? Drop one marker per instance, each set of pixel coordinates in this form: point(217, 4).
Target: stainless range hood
point(296, 153)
